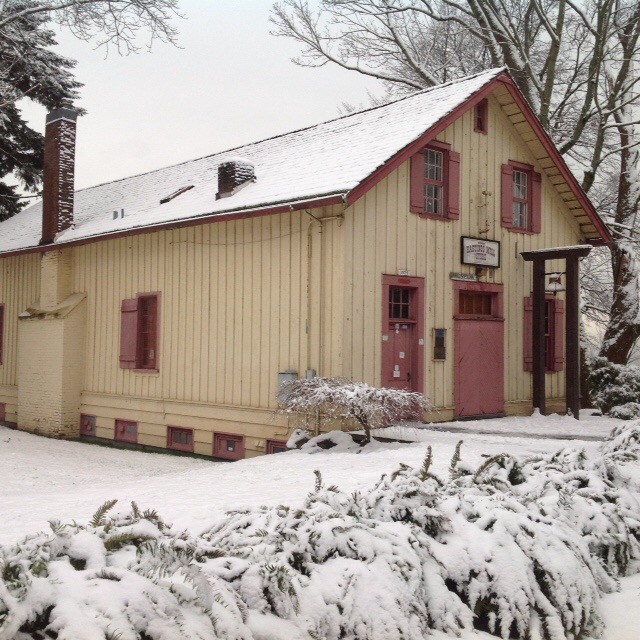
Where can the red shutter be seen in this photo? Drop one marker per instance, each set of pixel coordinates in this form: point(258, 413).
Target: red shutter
point(536, 202)
point(453, 186)
point(528, 334)
point(129, 334)
point(1, 333)
point(558, 336)
point(507, 196)
point(417, 183)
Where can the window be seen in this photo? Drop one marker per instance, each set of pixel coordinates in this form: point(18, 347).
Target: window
point(87, 425)
point(521, 198)
point(481, 117)
point(126, 431)
point(399, 303)
point(139, 334)
point(1, 333)
point(147, 332)
point(553, 333)
point(228, 445)
point(180, 439)
point(435, 182)
point(276, 446)
point(476, 303)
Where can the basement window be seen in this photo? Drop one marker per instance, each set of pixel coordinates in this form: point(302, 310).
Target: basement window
point(126, 431)
point(276, 446)
point(175, 194)
point(228, 445)
point(180, 439)
point(87, 425)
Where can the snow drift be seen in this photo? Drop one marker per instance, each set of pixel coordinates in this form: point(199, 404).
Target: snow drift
point(516, 547)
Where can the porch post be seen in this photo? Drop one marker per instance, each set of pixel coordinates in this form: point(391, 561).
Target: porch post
point(539, 342)
point(572, 356)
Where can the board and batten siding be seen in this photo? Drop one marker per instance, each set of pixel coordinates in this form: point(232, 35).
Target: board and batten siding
point(234, 311)
point(383, 237)
point(19, 289)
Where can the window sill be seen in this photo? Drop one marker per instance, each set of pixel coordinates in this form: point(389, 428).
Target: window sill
point(461, 316)
point(434, 216)
point(526, 232)
point(152, 371)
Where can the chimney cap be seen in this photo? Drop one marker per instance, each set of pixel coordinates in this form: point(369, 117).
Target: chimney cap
point(63, 113)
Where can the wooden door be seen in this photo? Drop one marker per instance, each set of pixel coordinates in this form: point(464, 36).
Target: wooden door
point(479, 352)
point(402, 342)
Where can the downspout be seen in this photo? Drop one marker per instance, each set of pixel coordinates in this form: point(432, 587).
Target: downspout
point(320, 355)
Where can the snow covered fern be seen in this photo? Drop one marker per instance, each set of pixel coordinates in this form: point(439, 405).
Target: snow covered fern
point(520, 548)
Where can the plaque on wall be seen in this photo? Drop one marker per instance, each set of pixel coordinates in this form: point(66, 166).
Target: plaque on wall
point(480, 252)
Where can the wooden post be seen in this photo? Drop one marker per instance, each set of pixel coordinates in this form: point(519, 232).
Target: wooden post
point(572, 353)
point(539, 342)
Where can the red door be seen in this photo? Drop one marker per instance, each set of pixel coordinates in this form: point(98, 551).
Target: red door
point(479, 351)
point(402, 342)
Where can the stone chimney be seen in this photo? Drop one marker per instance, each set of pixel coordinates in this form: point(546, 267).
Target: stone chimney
point(233, 175)
point(59, 169)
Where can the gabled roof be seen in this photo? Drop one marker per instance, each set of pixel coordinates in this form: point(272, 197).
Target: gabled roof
point(332, 162)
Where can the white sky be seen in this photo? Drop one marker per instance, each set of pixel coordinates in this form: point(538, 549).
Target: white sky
point(230, 83)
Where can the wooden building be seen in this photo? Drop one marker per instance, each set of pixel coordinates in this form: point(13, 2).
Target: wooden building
point(384, 246)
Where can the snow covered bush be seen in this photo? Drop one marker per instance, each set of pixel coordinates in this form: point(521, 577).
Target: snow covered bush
point(628, 411)
point(611, 385)
point(338, 399)
point(520, 548)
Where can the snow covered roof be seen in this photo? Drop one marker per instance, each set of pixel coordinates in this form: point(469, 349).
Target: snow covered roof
point(325, 161)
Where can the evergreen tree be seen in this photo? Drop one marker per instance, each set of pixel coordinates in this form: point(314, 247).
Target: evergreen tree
point(28, 69)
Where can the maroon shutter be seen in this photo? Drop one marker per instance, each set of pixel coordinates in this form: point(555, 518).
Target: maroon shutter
point(536, 202)
point(1, 334)
point(453, 186)
point(528, 334)
point(417, 183)
point(129, 334)
point(507, 196)
point(558, 336)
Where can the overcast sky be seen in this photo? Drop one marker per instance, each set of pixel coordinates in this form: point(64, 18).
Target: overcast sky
point(230, 83)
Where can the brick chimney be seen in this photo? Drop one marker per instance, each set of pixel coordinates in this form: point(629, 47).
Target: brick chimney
point(233, 175)
point(59, 169)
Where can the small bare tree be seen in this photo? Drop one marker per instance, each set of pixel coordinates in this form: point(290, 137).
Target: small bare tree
point(341, 399)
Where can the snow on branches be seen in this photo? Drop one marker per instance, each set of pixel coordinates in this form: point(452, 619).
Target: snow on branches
point(519, 548)
point(341, 400)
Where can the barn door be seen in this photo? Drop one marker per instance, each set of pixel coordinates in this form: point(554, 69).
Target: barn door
point(402, 333)
point(479, 351)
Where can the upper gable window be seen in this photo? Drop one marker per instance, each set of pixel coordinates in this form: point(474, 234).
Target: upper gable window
point(435, 182)
point(521, 198)
point(481, 117)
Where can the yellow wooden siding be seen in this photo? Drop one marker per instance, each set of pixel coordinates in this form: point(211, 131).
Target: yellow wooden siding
point(233, 313)
point(383, 237)
point(19, 289)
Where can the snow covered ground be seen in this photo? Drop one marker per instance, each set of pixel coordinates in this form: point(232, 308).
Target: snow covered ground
point(42, 479)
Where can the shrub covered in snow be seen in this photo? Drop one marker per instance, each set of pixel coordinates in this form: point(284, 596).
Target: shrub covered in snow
point(520, 548)
point(344, 401)
point(628, 411)
point(612, 385)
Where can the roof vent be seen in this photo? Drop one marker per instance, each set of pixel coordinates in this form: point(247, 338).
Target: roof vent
point(175, 194)
point(118, 214)
point(233, 175)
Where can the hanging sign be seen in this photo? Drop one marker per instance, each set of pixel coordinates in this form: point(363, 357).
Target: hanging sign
point(480, 252)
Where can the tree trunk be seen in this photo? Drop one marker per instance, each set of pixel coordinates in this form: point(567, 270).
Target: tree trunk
point(623, 329)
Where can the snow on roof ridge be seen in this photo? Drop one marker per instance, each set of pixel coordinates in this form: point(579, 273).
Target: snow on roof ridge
point(489, 72)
